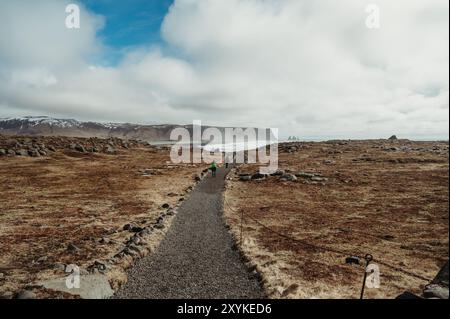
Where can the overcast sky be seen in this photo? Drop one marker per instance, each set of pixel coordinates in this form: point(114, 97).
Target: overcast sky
point(311, 68)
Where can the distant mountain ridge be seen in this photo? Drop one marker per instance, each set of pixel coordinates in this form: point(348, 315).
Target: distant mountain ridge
point(48, 126)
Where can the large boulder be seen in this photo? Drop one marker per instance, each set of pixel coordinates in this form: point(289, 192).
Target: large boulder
point(2, 152)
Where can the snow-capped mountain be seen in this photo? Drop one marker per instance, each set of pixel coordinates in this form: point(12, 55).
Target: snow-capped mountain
point(48, 126)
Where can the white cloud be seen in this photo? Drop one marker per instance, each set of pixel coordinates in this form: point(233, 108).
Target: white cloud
point(307, 67)
point(34, 33)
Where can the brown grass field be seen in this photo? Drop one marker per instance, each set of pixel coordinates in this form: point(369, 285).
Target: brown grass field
point(389, 199)
point(48, 203)
point(386, 198)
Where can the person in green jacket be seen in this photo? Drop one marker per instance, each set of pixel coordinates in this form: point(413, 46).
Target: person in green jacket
point(213, 168)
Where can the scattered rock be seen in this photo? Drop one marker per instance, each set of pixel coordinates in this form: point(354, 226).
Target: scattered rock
point(137, 249)
point(159, 220)
point(290, 290)
point(135, 240)
point(22, 152)
point(129, 252)
point(258, 176)
point(436, 291)
point(34, 153)
point(77, 147)
point(145, 232)
point(42, 259)
point(110, 150)
point(136, 229)
point(159, 226)
point(288, 177)
point(165, 206)
point(43, 146)
point(72, 248)
point(255, 275)
point(80, 148)
point(278, 172)
point(101, 267)
point(245, 178)
point(305, 175)
point(105, 240)
point(42, 152)
point(127, 227)
point(352, 260)
point(170, 212)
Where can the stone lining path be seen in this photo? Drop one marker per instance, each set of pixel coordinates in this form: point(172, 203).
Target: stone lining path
point(196, 259)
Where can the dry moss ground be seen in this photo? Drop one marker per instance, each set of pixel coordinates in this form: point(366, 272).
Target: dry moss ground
point(67, 198)
point(386, 198)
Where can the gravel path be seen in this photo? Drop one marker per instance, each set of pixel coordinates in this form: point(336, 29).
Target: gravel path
point(196, 259)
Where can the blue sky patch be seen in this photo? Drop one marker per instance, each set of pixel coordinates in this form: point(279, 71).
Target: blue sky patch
point(128, 24)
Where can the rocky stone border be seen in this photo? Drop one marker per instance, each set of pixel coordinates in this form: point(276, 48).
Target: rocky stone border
point(284, 176)
point(43, 146)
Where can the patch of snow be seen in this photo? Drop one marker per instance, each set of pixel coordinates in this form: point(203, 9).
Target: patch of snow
point(37, 120)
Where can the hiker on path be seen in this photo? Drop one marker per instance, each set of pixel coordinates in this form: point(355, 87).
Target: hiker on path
point(213, 168)
point(227, 160)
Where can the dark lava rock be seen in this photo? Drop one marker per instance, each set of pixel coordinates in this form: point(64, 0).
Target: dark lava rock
point(136, 229)
point(258, 176)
